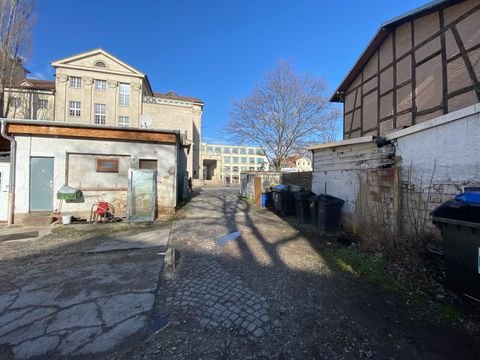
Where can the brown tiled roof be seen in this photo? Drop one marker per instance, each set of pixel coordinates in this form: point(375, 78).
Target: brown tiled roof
point(38, 84)
point(173, 96)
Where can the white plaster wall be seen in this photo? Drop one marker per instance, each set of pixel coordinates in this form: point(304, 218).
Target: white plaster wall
point(59, 148)
point(343, 184)
point(454, 147)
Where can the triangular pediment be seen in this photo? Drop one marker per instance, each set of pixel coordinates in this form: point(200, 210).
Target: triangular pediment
point(97, 60)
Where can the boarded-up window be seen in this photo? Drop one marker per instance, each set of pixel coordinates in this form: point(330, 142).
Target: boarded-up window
point(107, 165)
point(148, 164)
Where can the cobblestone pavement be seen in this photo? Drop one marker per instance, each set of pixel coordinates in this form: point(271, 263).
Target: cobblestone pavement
point(271, 295)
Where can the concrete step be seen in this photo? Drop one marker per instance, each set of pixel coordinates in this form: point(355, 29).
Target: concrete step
point(35, 219)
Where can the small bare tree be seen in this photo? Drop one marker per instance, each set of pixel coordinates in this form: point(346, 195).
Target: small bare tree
point(16, 18)
point(286, 112)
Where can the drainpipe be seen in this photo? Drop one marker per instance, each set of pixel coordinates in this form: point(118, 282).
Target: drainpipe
point(11, 187)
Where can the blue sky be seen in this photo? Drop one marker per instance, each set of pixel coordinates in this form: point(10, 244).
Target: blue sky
point(216, 50)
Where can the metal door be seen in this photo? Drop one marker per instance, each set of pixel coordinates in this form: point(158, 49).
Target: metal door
point(4, 181)
point(41, 184)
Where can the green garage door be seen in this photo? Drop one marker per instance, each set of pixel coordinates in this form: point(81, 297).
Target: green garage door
point(41, 184)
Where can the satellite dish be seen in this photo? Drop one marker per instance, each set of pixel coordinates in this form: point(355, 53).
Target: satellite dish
point(145, 121)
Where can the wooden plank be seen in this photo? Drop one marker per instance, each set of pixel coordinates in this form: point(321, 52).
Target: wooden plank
point(355, 152)
point(91, 133)
point(371, 164)
point(352, 159)
point(444, 65)
point(258, 191)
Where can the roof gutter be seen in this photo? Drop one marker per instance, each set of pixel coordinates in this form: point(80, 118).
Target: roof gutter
point(11, 187)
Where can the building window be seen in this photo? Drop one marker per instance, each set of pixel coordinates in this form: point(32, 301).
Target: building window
point(235, 151)
point(42, 104)
point(235, 160)
point(107, 165)
point(148, 164)
point(218, 150)
point(259, 160)
point(100, 64)
point(251, 168)
point(226, 159)
point(251, 160)
point(124, 93)
point(243, 151)
point(100, 85)
point(74, 108)
point(235, 169)
point(123, 121)
point(226, 150)
point(250, 151)
point(243, 168)
point(259, 152)
point(75, 82)
point(16, 102)
point(244, 160)
point(210, 150)
point(226, 169)
point(100, 116)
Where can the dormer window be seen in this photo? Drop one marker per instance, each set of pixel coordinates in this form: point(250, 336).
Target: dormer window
point(100, 64)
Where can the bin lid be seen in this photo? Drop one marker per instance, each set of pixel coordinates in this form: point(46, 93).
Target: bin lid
point(303, 195)
point(469, 197)
point(295, 188)
point(329, 199)
point(280, 187)
point(457, 210)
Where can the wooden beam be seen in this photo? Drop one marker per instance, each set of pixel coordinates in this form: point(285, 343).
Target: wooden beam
point(466, 59)
point(444, 64)
point(90, 133)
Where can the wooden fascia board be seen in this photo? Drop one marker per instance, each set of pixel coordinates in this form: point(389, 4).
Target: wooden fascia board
point(90, 133)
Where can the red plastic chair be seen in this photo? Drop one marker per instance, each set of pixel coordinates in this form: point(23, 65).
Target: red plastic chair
point(103, 211)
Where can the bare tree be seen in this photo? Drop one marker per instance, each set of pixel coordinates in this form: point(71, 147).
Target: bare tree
point(286, 112)
point(16, 18)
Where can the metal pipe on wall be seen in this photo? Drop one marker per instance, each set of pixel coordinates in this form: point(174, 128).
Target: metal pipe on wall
point(11, 186)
